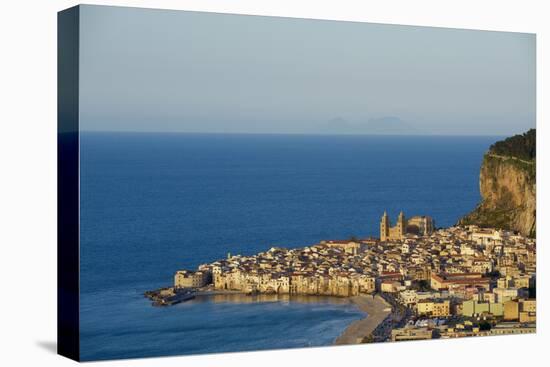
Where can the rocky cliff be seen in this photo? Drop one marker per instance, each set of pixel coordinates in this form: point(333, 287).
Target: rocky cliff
point(507, 183)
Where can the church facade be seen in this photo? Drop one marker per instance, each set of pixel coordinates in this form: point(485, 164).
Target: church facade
point(419, 225)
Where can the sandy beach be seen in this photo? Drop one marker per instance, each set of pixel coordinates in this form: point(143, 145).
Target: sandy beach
point(377, 310)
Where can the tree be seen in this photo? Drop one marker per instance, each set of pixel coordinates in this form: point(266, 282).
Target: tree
point(484, 326)
point(520, 146)
point(422, 285)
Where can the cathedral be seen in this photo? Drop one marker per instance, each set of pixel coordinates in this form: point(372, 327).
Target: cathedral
point(418, 225)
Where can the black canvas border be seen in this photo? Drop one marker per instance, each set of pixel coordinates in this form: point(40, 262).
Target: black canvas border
point(68, 207)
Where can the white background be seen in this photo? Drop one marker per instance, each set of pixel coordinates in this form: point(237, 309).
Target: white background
point(28, 181)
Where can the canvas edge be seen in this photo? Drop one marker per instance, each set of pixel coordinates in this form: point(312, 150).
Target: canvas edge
point(68, 328)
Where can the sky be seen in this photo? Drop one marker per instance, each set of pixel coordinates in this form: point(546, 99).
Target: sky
point(175, 71)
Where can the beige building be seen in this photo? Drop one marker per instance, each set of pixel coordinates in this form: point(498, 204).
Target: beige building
point(527, 310)
point(349, 247)
point(521, 281)
point(472, 307)
point(424, 307)
point(191, 279)
point(442, 308)
point(422, 225)
point(512, 328)
point(487, 237)
point(528, 305)
point(409, 333)
point(439, 308)
point(505, 294)
point(445, 281)
point(389, 286)
point(511, 310)
point(527, 317)
point(505, 282)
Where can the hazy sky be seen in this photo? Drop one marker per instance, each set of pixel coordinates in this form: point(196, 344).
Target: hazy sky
point(156, 70)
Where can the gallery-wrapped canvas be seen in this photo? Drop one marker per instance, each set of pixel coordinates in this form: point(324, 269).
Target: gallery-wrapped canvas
point(233, 183)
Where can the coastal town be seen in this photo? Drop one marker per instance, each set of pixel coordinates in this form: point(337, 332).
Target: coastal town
point(415, 281)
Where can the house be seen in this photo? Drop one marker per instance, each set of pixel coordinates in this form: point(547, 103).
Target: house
point(191, 279)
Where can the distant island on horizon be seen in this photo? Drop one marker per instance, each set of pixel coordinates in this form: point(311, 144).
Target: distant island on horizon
point(498, 136)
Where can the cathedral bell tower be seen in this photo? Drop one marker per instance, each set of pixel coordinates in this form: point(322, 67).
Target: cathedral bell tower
point(401, 225)
point(384, 227)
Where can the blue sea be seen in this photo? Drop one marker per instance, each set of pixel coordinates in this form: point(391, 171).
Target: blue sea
point(153, 203)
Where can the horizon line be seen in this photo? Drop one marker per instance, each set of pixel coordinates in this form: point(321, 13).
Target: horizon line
point(295, 133)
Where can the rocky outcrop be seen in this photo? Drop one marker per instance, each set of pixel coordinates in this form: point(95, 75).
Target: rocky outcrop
point(507, 184)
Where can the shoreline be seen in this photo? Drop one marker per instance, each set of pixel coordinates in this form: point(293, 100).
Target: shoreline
point(377, 310)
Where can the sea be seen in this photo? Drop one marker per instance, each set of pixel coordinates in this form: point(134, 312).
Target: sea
point(154, 203)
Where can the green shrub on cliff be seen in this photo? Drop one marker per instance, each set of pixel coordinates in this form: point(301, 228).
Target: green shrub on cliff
point(519, 146)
